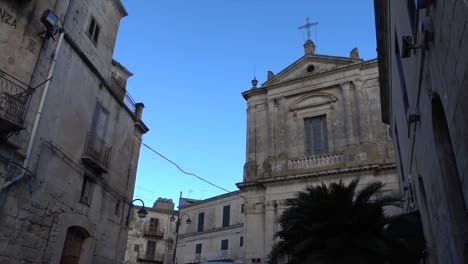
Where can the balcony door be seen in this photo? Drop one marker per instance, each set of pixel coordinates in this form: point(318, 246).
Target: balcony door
point(99, 130)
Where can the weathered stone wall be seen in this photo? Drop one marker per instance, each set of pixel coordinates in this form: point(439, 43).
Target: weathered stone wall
point(36, 211)
point(139, 235)
point(213, 231)
point(433, 160)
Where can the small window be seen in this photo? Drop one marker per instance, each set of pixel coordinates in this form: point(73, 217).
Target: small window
point(136, 247)
point(224, 244)
point(86, 191)
point(316, 139)
point(201, 222)
point(241, 241)
point(401, 74)
point(117, 208)
point(226, 215)
point(154, 223)
point(310, 68)
point(198, 249)
point(94, 30)
point(242, 208)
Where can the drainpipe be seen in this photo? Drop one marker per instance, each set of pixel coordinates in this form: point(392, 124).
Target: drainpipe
point(43, 97)
point(38, 114)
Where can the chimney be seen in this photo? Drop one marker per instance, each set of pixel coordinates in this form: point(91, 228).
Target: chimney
point(139, 111)
point(309, 47)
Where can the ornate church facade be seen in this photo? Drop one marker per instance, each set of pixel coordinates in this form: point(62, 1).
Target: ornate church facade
point(317, 121)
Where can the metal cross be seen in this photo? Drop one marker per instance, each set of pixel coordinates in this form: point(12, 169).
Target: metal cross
point(307, 26)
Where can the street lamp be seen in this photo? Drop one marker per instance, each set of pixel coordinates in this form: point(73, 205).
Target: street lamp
point(142, 213)
point(179, 218)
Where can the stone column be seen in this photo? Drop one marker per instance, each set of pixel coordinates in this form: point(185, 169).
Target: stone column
point(363, 110)
point(348, 99)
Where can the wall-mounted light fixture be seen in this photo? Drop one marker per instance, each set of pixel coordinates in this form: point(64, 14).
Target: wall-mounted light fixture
point(50, 21)
point(407, 45)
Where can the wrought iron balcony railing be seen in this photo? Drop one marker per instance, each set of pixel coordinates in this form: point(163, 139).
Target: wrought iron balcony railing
point(121, 92)
point(97, 153)
point(151, 257)
point(14, 101)
point(149, 232)
point(221, 256)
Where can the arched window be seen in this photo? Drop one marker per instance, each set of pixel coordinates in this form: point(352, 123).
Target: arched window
point(73, 244)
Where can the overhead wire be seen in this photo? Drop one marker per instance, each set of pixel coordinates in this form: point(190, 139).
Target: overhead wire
point(183, 171)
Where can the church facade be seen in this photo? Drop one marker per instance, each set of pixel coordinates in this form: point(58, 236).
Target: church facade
point(317, 121)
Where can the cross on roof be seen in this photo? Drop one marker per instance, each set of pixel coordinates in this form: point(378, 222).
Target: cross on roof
point(307, 26)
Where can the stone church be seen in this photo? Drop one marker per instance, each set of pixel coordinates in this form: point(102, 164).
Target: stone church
point(316, 121)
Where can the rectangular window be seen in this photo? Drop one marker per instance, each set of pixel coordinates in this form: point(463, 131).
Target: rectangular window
point(136, 247)
point(201, 222)
point(150, 249)
point(401, 74)
point(241, 241)
point(93, 30)
point(154, 223)
point(198, 249)
point(316, 138)
point(242, 208)
point(224, 244)
point(226, 215)
point(87, 191)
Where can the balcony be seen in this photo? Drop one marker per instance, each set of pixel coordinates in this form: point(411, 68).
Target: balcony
point(316, 162)
point(221, 256)
point(96, 153)
point(156, 233)
point(151, 258)
point(14, 101)
point(121, 93)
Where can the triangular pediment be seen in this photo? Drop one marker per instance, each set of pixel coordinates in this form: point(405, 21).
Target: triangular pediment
point(309, 65)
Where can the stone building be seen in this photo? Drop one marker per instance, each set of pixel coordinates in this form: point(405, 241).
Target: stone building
point(423, 63)
point(151, 239)
point(318, 120)
point(216, 231)
point(69, 133)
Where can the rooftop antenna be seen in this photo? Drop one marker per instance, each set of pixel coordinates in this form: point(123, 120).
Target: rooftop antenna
point(307, 26)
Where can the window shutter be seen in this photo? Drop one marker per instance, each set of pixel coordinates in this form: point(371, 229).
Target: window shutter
point(198, 248)
point(308, 136)
point(317, 136)
point(224, 244)
point(316, 139)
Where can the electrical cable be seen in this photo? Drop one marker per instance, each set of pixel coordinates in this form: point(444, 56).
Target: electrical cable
point(178, 167)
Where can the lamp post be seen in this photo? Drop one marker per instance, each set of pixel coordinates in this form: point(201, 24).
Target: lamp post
point(141, 213)
point(179, 218)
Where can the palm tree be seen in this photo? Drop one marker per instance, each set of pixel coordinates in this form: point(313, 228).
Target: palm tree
point(335, 224)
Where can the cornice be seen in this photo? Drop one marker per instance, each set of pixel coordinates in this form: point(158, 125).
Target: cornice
point(240, 225)
point(297, 177)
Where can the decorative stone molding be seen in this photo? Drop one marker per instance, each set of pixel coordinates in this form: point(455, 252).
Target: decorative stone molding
point(313, 100)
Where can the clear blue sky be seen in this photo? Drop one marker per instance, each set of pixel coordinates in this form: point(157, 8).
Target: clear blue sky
point(193, 58)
